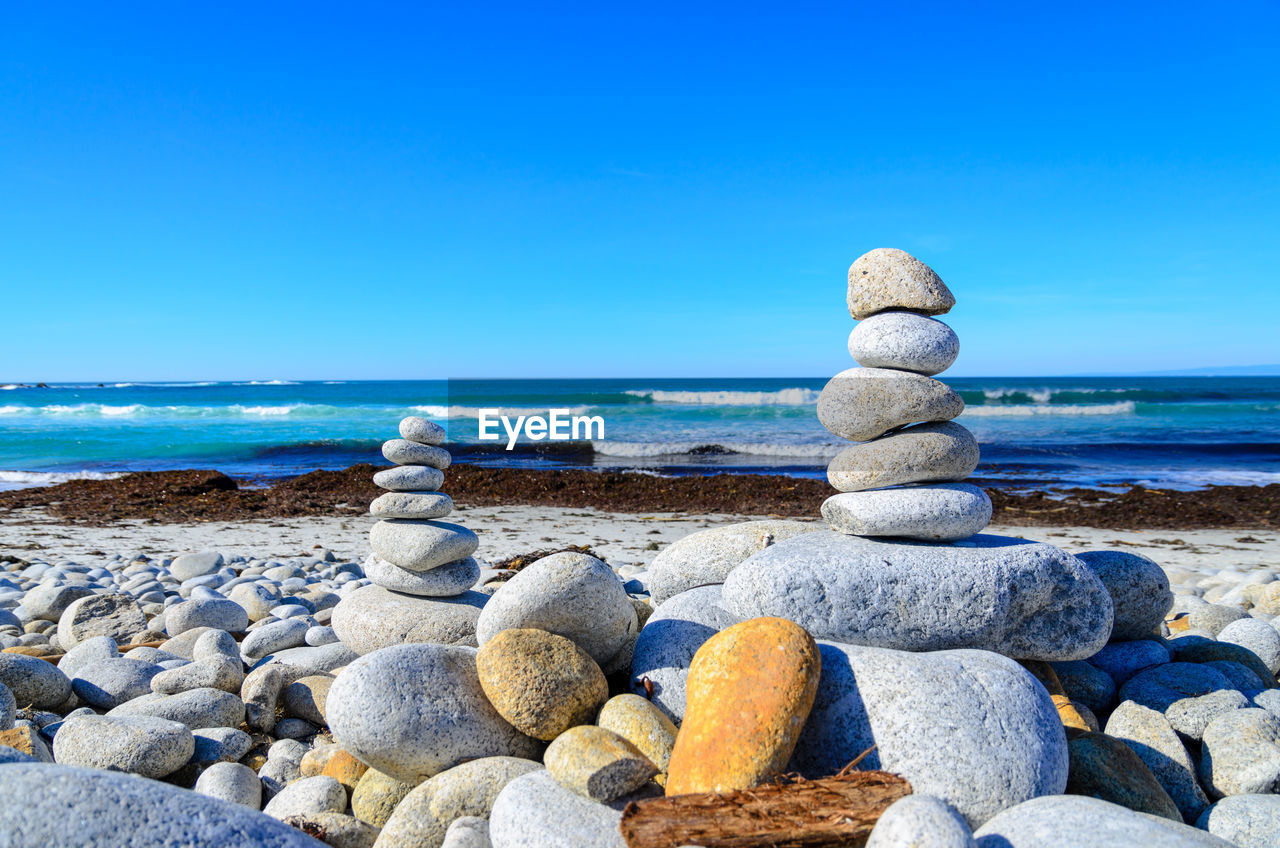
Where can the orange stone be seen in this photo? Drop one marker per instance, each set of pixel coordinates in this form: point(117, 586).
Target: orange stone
point(26, 739)
point(749, 691)
point(345, 769)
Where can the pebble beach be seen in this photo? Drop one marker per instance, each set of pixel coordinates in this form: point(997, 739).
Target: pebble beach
point(382, 666)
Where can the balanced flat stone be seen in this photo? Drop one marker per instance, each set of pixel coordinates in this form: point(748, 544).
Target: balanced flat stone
point(906, 341)
point(415, 505)
point(942, 513)
point(888, 278)
point(372, 617)
point(421, 545)
point(448, 580)
point(405, 452)
point(1023, 599)
point(421, 430)
point(409, 478)
point(863, 403)
point(926, 453)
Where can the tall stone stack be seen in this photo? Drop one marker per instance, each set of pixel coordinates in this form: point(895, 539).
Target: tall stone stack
point(900, 480)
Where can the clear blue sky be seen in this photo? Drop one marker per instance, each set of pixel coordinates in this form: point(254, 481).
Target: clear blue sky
point(316, 190)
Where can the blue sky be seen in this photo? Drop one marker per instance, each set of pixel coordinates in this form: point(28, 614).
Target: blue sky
point(313, 191)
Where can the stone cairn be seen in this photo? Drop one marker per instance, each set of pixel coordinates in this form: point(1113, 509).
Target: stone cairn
point(413, 552)
point(900, 348)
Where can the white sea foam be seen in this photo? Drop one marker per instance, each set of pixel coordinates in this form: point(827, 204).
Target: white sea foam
point(438, 411)
point(13, 409)
point(783, 397)
point(1038, 395)
point(29, 479)
point(268, 410)
point(130, 409)
point(1025, 410)
point(267, 383)
point(1209, 477)
point(7, 386)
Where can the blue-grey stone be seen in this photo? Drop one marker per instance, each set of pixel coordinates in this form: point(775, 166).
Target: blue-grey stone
point(1122, 660)
point(1240, 754)
point(1084, 682)
point(708, 556)
point(1157, 744)
point(1190, 695)
point(150, 747)
point(1082, 822)
point(1257, 636)
point(196, 708)
point(533, 811)
point(861, 403)
point(108, 683)
point(944, 512)
point(920, 820)
point(33, 681)
point(1246, 821)
point(1139, 590)
point(273, 637)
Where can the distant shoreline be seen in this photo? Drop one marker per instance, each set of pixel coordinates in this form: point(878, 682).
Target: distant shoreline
point(201, 495)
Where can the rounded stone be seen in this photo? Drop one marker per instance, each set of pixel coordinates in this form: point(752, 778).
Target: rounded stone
point(1213, 617)
point(637, 720)
point(1246, 821)
point(1256, 636)
point(413, 505)
point(469, 789)
point(598, 763)
point(150, 747)
point(1189, 695)
point(376, 796)
point(49, 600)
point(117, 616)
point(925, 453)
point(1241, 754)
point(920, 820)
point(422, 431)
point(218, 613)
point(231, 782)
point(1198, 649)
point(373, 617)
point(216, 672)
point(445, 581)
point(108, 683)
point(541, 683)
point(413, 711)
point(1139, 591)
point(220, 744)
point(405, 452)
point(1084, 682)
point(862, 403)
point(256, 599)
point(1153, 739)
point(1086, 823)
point(47, 805)
point(534, 811)
point(276, 636)
point(888, 278)
point(749, 691)
point(906, 341)
point(337, 830)
point(942, 513)
point(1023, 599)
point(572, 595)
point(1122, 660)
point(33, 681)
point(708, 556)
point(409, 478)
point(188, 566)
point(305, 698)
point(927, 713)
point(1105, 767)
point(467, 832)
point(318, 794)
point(8, 708)
point(196, 708)
point(421, 545)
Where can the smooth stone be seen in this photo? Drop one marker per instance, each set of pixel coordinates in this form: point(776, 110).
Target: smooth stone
point(1214, 617)
point(641, 723)
point(925, 453)
point(409, 478)
point(1079, 822)
point(372, 617)
point(405, 452)
point(8, 708)
point(273, 637)
point(283, 766)
point(212, 673)
point(318, 794)
point(412, 505)
point(942, 513)
point(928, 713)
point(445, 581)
point(572, 595)
point(338, 829)
point(344, 768)
point(1246, 821)
point(108, 683)
point(49, 600)
point(256, 599)
point(305, 698)
point(1241, 754)
point(597, 763)
point(1083, 682)
point(420, 430)
point(87, 653)
point(708, 556)
point(749, 690)
point(1153, 739)
point(318, 636)
point(220, 745)
point(1105, 767)
point(376, 796)
point(47, 805)
point(469, 789)
point(1242, 678)
point(25, 738)
point(188, 566)
point(259, 693)
point(412, 711)
point(1256, 636)
point(1122, 660)
point(196, 708)
point(905, 341)
point(668, 642)
point(1199, 649)
point(309, 660)
point(117, 616)
point(862, 403)
point(920, 821)
point(184, 644)
point(231, 782)
point(1022, 599)
point(1139, 591)
point(541, 683)
point(218, 613)
point(1188, 694)
point(888, 278)
point(534, 811)
point(150, 747)
point(34, 682)
point(421, 545)
point(467, 832)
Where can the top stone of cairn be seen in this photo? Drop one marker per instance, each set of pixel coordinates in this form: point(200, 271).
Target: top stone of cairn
point(888, 278)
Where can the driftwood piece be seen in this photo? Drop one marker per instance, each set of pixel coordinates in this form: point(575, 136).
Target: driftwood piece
point(831, 811)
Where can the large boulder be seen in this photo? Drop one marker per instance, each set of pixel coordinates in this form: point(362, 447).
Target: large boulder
point(372, 617)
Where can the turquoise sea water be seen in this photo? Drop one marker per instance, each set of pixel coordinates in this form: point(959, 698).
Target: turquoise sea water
point(1175, 432)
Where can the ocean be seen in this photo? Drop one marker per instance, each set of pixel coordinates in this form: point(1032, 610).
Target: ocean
point(1162, 432)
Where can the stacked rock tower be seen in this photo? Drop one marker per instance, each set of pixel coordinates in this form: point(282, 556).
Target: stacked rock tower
point(900, 479)
point(413, 552)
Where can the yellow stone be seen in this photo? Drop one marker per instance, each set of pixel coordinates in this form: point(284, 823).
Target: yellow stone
point(376, 797)
point(26, 739)
point(541, 683)
point(642, 724)
point(749, 692)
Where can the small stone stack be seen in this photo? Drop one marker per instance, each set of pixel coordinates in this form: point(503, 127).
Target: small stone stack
point(900, 416)
point(413, 552)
